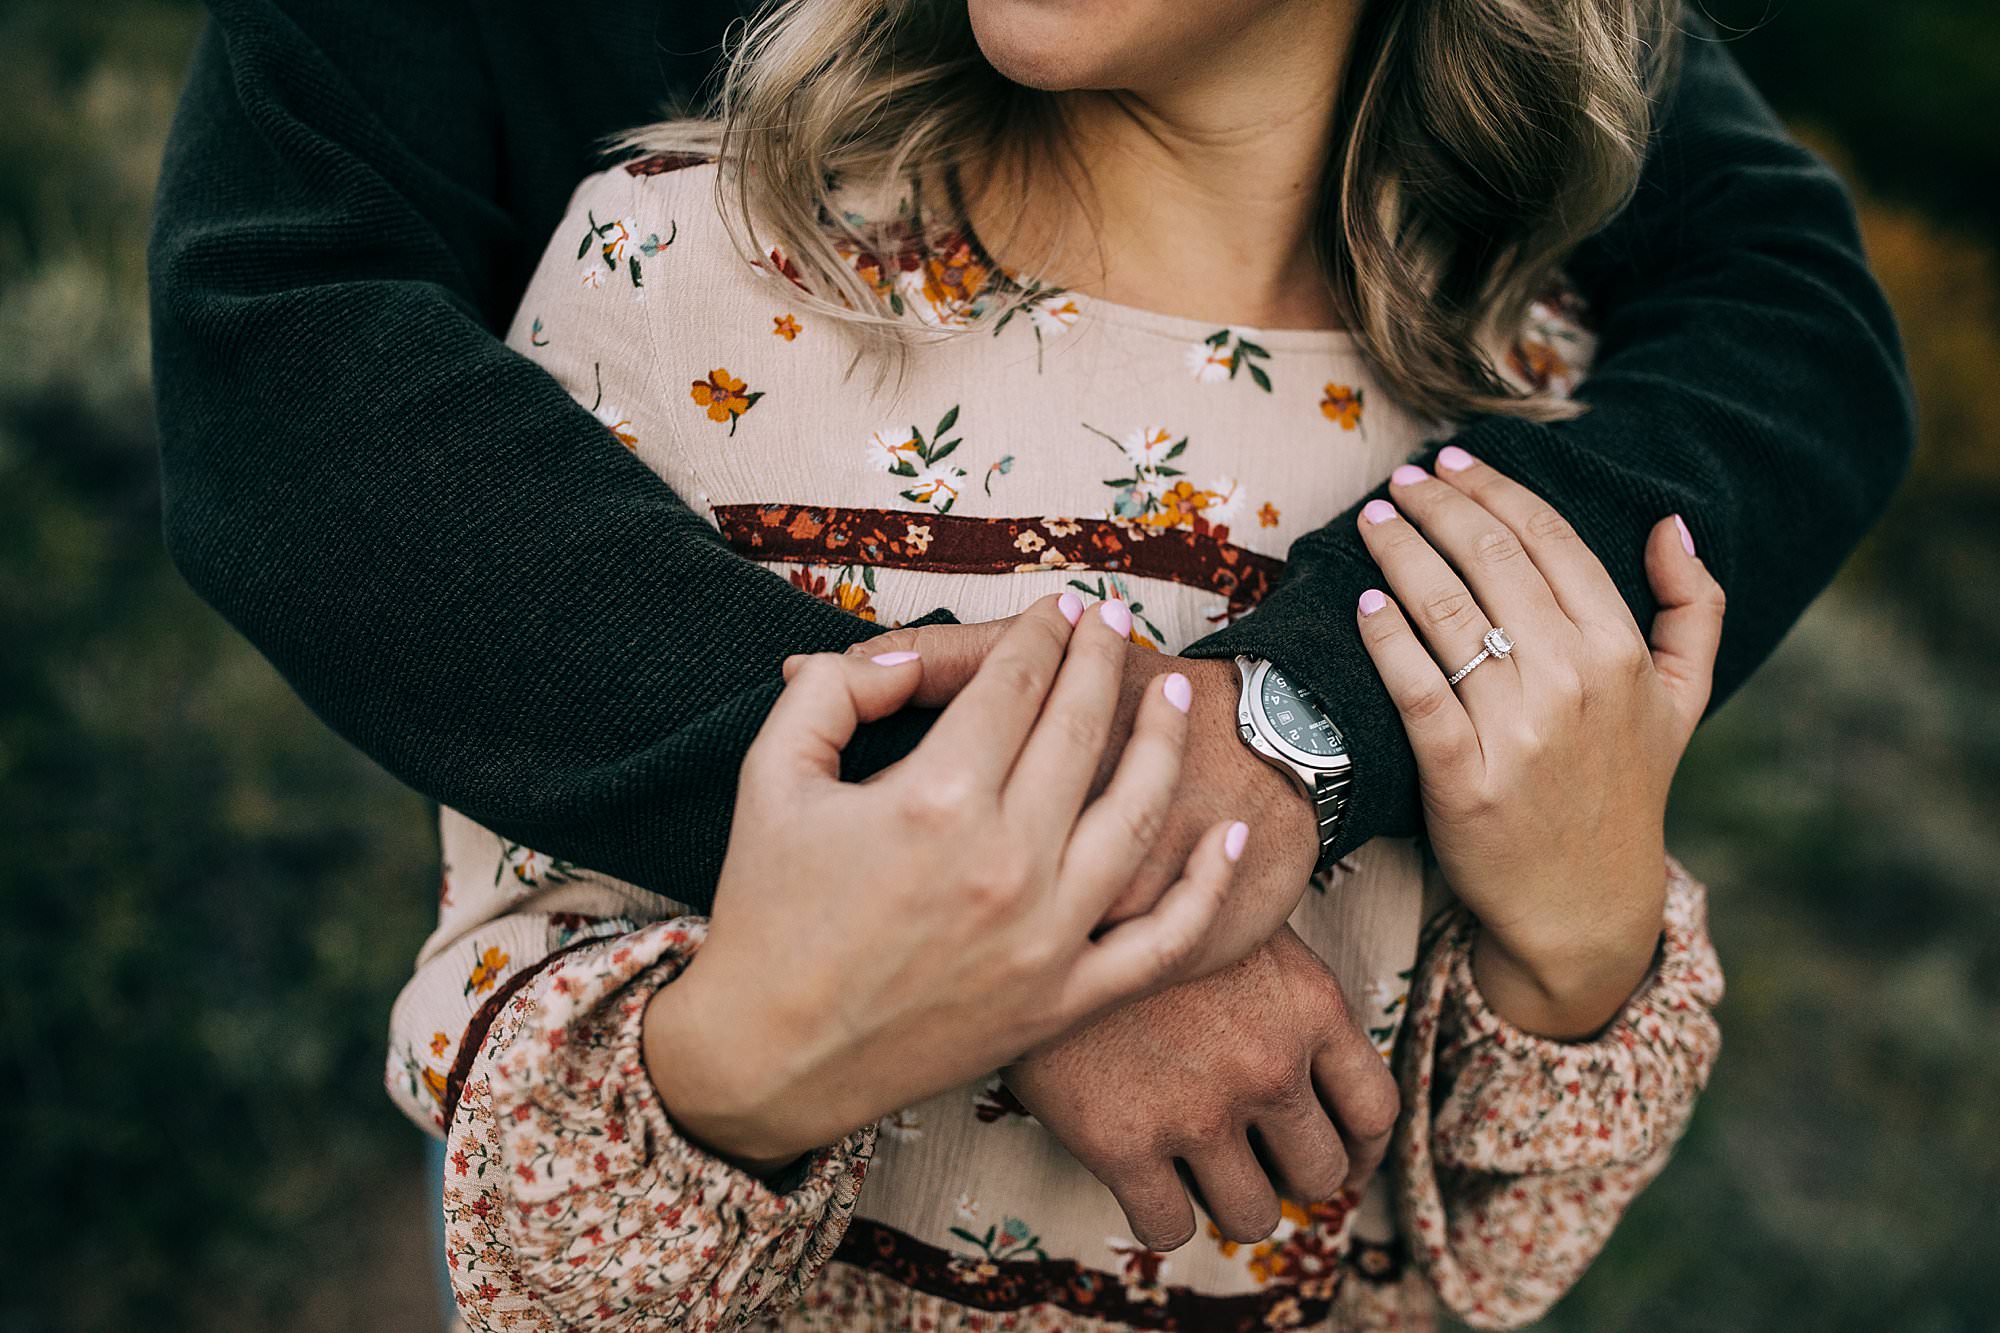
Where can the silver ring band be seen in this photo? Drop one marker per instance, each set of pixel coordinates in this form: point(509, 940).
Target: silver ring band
point(1497, 645)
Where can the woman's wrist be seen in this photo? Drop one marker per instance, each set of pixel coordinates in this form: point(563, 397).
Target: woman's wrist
point(710, 1072)
point(1568, 983)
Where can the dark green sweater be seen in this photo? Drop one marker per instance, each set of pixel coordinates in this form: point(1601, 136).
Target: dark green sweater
point(465, 575)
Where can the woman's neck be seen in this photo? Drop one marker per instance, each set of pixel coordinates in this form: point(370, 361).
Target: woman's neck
point(1195, 199)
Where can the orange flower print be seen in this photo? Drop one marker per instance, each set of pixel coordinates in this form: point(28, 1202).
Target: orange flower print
point(1305, 1250)
point(953, 279)
point(1267, 515)
point(851, 589)
point(724, 396)
point(1157, 493)
point(785, 326)
point(435, 1084)
point(486, 971)
point(1342, 405)
point(439, 1041)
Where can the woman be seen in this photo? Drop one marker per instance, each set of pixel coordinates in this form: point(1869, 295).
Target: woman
point(1179, 185)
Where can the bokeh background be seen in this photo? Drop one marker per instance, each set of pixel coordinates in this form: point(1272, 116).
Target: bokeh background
point(207, 901)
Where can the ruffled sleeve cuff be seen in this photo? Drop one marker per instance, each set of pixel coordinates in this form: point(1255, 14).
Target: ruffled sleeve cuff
point(570, 1199)
point(1517, 1154)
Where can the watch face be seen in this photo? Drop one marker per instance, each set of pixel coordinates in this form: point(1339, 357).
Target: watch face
point(1290, 715)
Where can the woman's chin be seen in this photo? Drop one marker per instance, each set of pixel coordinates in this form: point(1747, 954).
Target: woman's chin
point(1051, 47)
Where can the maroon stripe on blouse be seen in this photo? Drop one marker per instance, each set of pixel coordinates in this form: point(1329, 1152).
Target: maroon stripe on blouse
point(1298, 1300)
point(1198, 556)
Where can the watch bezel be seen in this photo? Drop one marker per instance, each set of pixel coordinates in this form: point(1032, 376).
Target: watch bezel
point(1253, 705)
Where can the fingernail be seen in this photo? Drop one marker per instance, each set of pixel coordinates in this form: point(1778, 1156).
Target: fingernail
point(1687, 538)
point(1454, 459)
point(1372, 601)
point(1179, 693)
point(1232, 841)
point(1113, 612)
point(1378, 511)
point(1408, 475)
point(1071, 607)
point(893, 659)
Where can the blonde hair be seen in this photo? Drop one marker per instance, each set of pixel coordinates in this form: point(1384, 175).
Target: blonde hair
point(1483, 140)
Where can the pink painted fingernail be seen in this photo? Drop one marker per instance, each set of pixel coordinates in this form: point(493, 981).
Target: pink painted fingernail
point(1408, 475)
point(1687, 538)
point(1232, 841)
point(1372, 601)
point(1378, 511)
point(1116, 614)
point(1071, 607)
point(1454, 459)
point(1179, 693)
point(893, 659)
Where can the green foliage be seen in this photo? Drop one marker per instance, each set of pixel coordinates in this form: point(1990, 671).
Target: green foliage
point(211, 900)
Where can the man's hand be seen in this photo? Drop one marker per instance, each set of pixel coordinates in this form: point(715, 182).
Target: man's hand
point(1264, 1048)
point(1221, 779)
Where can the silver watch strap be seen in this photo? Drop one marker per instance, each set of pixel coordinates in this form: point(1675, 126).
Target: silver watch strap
point(1329, 803)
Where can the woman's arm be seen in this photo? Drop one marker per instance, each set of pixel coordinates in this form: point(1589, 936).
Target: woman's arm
point(623, 1104)
point(1560, 1027)
point(1518, 1154)
point(1748, 377)
point(571, 1196)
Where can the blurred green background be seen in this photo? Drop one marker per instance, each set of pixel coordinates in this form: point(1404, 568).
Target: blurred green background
point(209, 900)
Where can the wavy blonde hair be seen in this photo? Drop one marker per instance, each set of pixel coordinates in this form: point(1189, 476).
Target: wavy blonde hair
point(1482, 141)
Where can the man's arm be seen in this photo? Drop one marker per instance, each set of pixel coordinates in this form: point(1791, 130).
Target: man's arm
point(452, 562)
point(1748, 377)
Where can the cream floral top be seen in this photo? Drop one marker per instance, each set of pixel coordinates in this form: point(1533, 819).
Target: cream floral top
point(1073, 444)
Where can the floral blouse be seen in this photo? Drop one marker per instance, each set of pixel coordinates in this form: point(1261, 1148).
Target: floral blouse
point(1072, 444)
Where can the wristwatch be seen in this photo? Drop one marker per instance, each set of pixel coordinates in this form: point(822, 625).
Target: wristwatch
point(1288, 729)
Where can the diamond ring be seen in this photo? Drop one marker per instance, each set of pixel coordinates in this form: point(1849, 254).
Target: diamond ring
point(1497, 645)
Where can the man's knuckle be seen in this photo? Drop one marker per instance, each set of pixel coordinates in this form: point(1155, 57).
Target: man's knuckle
point(1378, 1106)
point(1322, 1178)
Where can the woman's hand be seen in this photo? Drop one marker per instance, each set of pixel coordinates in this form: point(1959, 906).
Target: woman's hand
point(1544, 772)
point(874, 943)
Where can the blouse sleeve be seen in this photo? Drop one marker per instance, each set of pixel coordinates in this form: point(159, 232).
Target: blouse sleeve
point(1516, 1154)
point(571, 1202)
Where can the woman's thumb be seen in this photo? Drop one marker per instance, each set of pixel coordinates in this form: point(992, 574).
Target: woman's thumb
point(826, 696)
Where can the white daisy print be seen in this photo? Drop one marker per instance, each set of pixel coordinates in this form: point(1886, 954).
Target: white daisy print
point(891, 448)
point(1209, 363)
point(904, 1127)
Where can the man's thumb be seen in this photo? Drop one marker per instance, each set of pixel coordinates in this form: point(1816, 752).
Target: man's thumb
point(951, 654)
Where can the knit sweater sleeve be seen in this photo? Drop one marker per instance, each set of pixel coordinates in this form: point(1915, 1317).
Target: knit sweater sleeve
point(1516, 1155)
point(1748, 377)
point(372, 487)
